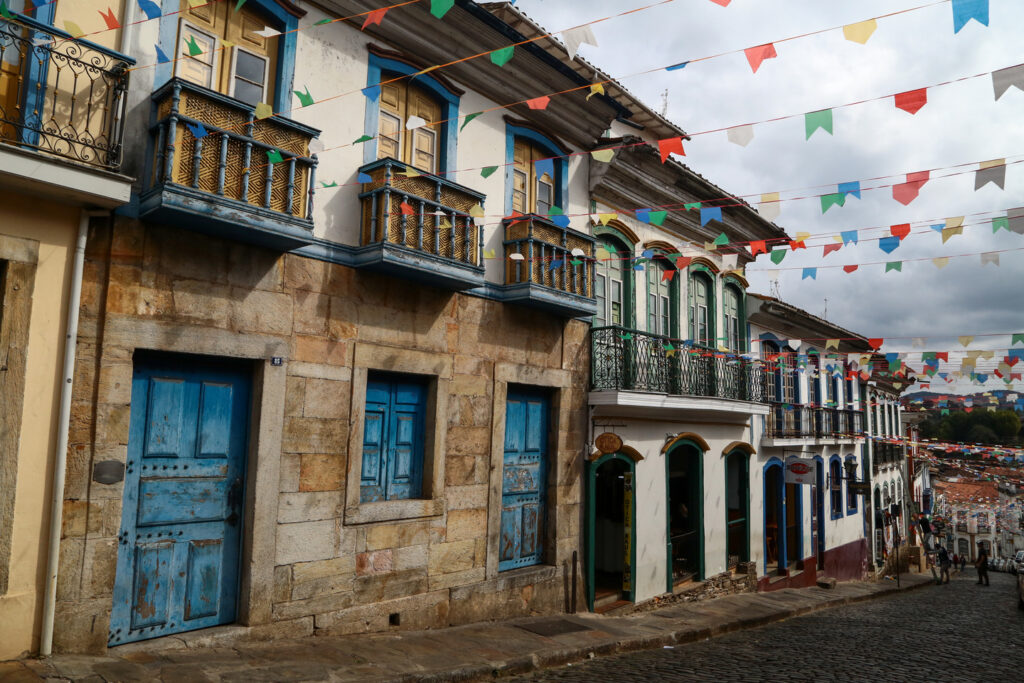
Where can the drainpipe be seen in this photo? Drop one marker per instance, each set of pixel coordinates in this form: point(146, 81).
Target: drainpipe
point(61, 453)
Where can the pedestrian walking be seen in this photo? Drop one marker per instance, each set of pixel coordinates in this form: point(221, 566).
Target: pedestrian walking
point(956, 561)
point(943, 564)
point(963, 563)
point(982, 564)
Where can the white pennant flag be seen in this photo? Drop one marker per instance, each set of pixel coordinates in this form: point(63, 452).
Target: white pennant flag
point(267, 32)
point(414, 122)
point(741, 135)
point(770, 206)
point(729, 262)
point(990, 257)
point(574, 37)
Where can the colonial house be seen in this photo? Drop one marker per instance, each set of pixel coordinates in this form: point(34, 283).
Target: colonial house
point(888, 454)
point(321, 386)
point(971, 508)
point(815, 521)
point(61, 102)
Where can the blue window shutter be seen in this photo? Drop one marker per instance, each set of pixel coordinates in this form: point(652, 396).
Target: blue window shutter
point(375, 430)
point(405, 442)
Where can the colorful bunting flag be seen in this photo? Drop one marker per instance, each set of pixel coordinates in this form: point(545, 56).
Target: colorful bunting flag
point(756, 55)
point(810, 273)
point(758, 247)
point(912, 100)
point(818, 119)
point(374, 17)
point(603, 155)
point(860, 32)
point(894, 265)
point(830, 200)
point(888, 244)
point(907, 192)
point(965, 10)
point(965, 340)
point(849, 237)
point(161, 58)
point(193, 47)
point(707, 215)
point(941, 262)
point(595, 89)
point(76, 31)
point(109, 18)
point(198, 130)
point(305, 99)
point(993, 171)
point(829, 248)
point(150, 9)
point(574, 37)
point(901, 231)
point(777, 255)
point(1000, 222)
point(670, 145)
point(263, 110)
point(488, 171)
point(502, 56)
point(990, 257)
point(1003, 79)
point(741, 135)
point(274, 156)
point(538, 102)
point(439, 8)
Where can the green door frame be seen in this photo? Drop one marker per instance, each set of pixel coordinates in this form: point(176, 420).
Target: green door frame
point(682, 443)
point(743, 457)
point(592, 467)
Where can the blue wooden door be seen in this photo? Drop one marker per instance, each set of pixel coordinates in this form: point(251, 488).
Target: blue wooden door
point(181, 525)
point(393, 440)
point(523, 479)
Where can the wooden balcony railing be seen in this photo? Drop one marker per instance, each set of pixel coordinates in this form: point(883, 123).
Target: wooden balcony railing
point(421, 212)
point(630, 360)
point(546, 255)
point(231, 162)
point(61, 95)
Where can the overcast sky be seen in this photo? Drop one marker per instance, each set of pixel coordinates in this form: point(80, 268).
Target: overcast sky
point(961, 123)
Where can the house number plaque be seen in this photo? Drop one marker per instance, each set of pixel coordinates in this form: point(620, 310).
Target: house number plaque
point(608, 442)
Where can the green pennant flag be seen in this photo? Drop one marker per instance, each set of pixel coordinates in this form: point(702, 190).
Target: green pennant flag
point(274, 156)
point(721, 240)
point(331, 184)
point(362, 138)
point(305, 99)
point(777, 255)
point(830, 200)
point(439, 8)
point(4, 12)
point(193, 47)
point(691, 205)
point(576, 262)
point(469, 117)
point(323, 21)
point(657, 217)
point(627, 336)
point(1014, 338)
point(894, 265)
point(238, 5)
point(1000, 222)
point(488, 171)
point(501, 57)
point(813, 120)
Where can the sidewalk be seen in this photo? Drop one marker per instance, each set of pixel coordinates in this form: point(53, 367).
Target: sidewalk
point(463, 653)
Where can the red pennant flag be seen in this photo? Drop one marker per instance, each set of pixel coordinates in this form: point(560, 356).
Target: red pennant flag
point(865, 375)
point(1010, 360)
point(667, 275)
point(1015, 377)
point(906, 192)
point(111, 20)
point(538, 102)
point(407, 210)
point(968, 409)
point(374, 17)
point(756, 55)
point(998, 374)
point(901, 230)
point(850, 269)
point(683, 262)
point(876, 343)
point(942, 355)
point(669, 145)
point(912, 100)
point(758, 247)
point(795, 244)
point(723, 3)
point(829, 248)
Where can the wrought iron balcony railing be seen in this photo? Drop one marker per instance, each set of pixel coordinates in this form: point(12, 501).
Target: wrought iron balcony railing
point(421, 222)
point(630, 360)
point(789, 421)
point(61, 95)
point(961, 527)
point(539, 252)
point(217, 168)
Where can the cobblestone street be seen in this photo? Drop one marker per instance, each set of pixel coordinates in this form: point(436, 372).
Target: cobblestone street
point(959, 631)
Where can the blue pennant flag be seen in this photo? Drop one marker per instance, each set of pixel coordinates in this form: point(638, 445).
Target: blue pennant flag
point(965, 10)
point(545, 166)
point(161, 58)
point(810, 273)
point(849, 237)
point(643, 215)
point(850, 188)
point(889, 244)
point(712, 214)
point(151, 9)
point(372, 92)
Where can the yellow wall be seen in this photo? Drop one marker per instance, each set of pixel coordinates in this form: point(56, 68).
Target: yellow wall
point(87, 16)
point(55, 228)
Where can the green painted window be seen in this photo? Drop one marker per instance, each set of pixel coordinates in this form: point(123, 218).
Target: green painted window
point(660, 310)
point(611, 284)
point(731, 311)
point(701, 328)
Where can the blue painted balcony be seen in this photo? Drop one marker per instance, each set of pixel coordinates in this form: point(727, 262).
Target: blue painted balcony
point(549, 267)
point(247, 179)
point(62, 105)
point(418, 226)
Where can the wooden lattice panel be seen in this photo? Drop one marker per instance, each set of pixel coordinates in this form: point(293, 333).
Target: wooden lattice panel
point(213, 113)
point(276, 135)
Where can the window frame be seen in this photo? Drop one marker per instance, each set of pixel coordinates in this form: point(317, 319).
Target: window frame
point(551, 149)
point(835, 473)
point(852, 504)
point(669, 314)
point(233, 74)
point(702, 273)
point(435, 369)
point(387, 458)
point(182, 52)
point(623, 251)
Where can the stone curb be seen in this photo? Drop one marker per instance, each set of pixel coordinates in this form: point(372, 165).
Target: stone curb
point(543, 660)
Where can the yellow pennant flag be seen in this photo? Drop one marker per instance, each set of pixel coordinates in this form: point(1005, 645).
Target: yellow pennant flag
point(832, 344)
point(605, 217)
point(941, 263)
point(196, 3)
point(604, 155)
point(263, 110)
point(74, 29)
point(801, 236)
point(603, 254)
point(710, 246)
point(477, 211)
point(837, 238)
point(861, 31)
point(949, 232)
point(411, 172)
point(965, 341)
point(955, 222)
point(596, 89)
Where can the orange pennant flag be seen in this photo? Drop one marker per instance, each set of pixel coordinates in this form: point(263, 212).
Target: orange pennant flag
point(374, 17)
point(111, 20)
point(756, 55)
point(670, 145)
point(538, 102)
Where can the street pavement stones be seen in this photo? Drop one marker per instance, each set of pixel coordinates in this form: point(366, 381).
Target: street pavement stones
point(483, 651)
point(955, 632)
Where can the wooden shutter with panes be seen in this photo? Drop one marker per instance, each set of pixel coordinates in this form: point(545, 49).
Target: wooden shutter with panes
point(234, 59)
point(531, 193)
point(417, 147)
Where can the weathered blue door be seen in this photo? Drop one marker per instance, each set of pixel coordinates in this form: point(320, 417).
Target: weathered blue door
point(523, 479)
point(177, 561)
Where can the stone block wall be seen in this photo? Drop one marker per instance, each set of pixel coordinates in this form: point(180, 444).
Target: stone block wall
point(310, 550)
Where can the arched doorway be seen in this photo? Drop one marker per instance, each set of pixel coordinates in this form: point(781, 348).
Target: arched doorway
point(611, 529)
point(774, 516)
point(685, 493)
point(794, 526)
point(737, 508)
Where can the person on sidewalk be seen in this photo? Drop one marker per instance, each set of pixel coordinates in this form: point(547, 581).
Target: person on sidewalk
point(963, 563)
point(982, 564)
point(943, 564)
point(956, 562)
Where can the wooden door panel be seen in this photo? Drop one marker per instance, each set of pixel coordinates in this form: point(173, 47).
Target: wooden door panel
point(523, 480)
